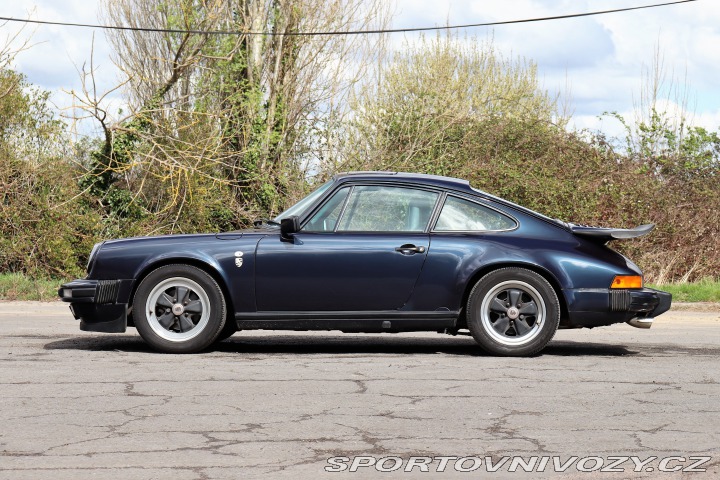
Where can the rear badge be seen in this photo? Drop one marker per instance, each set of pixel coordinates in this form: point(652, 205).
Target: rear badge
point(238, 259)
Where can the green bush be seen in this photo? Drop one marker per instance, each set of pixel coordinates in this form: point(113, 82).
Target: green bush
point(46, 228)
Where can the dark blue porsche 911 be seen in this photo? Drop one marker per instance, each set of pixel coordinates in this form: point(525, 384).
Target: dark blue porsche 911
point(371, 252)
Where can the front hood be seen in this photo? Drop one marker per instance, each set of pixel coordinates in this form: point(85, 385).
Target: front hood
point(234, 235)
point(190, 237)
point(174, 238)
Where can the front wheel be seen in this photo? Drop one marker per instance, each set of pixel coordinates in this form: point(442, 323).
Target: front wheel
point(179, 309)
point(228, 331)
point(513, 311)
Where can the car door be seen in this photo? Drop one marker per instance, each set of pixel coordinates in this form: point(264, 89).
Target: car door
point(361, 251)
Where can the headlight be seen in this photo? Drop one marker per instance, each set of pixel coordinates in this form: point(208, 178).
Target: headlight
point(93, 254)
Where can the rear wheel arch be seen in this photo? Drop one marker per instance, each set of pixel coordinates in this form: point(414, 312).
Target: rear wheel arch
point(513, 311)
point(480, 273)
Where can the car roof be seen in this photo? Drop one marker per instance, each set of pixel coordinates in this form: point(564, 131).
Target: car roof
point(449, 183)
point(419, 178)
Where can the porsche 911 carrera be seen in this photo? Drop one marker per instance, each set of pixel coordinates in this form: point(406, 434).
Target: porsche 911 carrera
point(371, 252)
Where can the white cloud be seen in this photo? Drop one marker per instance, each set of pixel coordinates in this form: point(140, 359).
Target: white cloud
point(600, 57)
point(57, 53)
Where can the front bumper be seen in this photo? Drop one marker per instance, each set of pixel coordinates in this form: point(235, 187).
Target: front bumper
point(598, 307)
point(100, 305)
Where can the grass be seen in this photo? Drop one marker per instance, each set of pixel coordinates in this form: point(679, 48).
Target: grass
point(705, 290)
point(16, 286)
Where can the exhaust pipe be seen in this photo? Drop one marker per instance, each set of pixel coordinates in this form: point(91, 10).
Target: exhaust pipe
point(639, 322)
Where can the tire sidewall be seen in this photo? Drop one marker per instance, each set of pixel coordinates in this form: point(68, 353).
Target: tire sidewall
point(228, 331)
point(486, 284)
point(216, 320)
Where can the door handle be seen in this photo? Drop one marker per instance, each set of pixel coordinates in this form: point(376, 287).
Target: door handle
point(410, 249)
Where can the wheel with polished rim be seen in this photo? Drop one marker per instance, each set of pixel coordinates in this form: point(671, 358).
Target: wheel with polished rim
point(179, 309)
point(513, 311)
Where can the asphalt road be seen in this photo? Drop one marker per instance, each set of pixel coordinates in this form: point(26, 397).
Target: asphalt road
point(278, 405)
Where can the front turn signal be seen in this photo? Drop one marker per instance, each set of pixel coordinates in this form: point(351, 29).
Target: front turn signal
point(627, 281)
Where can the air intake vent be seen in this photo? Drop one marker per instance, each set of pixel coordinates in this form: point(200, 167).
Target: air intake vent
point(619, 300)
point(107, 291)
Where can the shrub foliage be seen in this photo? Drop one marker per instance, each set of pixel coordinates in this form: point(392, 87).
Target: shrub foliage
point(47, 225)
point(177, 165)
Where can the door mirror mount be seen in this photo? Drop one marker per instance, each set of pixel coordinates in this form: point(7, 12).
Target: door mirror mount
point(288, 227)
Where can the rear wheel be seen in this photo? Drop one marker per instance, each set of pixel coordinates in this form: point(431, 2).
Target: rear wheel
point(179, 309)
point(513, 311)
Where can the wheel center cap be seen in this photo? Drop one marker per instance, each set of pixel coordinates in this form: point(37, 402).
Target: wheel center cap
point(178, 309)
point(513, 313)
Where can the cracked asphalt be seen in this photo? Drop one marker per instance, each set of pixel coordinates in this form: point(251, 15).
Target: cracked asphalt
point(277, 404)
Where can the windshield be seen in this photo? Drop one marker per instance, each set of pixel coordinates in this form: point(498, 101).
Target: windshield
point(303, 204)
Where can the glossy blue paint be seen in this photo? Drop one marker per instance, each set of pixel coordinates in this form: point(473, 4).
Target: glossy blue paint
point(337, 271)
point(134, 258)
point(363, 273)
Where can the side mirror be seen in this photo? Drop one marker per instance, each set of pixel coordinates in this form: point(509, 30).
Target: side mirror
point(289, 226)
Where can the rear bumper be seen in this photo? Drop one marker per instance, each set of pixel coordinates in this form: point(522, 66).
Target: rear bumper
point(598, 307)
point(100, 305)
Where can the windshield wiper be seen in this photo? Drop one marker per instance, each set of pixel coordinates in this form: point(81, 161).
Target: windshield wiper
point(265, 221)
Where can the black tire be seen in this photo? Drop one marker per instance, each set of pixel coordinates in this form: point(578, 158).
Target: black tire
point(160, 315)
point(228, 331)
point(513, 312)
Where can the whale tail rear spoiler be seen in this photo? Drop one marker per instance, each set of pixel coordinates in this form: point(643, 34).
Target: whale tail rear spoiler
point(602, 234)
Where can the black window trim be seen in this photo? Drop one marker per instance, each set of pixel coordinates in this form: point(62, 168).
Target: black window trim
point(320, 206)
point(315, 208)
point(477, 202)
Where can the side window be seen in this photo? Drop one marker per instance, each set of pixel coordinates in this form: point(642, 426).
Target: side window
point(387, 209)
point(326, 218)
point(460, 215)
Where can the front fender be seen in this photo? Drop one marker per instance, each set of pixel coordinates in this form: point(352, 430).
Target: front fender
point(231, 263)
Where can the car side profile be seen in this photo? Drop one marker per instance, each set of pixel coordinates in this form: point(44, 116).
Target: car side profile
point(371, 252)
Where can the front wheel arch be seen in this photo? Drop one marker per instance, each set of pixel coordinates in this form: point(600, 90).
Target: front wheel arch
point(193, 262)
point(184, 309)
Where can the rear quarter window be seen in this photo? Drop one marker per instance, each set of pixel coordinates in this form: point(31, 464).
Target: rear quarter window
point(460, 215)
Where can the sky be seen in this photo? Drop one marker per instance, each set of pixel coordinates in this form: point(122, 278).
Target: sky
point(597, 62)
